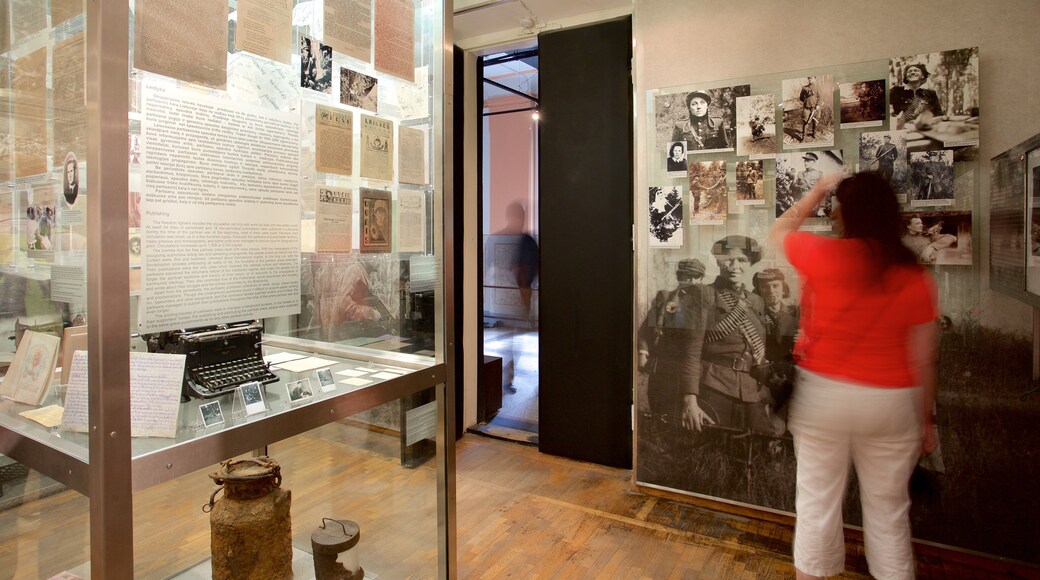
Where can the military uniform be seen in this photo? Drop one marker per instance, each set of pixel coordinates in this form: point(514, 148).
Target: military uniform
point(886, 157)
point(701, 134)
point(810, 98)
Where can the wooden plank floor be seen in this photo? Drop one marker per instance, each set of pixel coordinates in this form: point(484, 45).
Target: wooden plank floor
point(521, 514)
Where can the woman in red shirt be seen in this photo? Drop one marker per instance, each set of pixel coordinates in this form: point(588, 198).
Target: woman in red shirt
point(867, 348)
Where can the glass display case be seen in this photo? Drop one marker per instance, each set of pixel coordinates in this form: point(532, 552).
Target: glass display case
point(222, 237)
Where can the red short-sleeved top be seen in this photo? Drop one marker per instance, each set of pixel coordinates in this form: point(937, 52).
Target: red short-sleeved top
point(856, 324)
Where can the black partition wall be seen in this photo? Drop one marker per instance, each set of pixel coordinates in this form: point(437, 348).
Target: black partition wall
point(585, 188)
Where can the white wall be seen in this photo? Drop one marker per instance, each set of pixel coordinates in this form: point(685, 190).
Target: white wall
point(682, 42)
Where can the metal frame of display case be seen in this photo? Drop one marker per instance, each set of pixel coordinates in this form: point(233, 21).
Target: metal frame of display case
point(111, 475)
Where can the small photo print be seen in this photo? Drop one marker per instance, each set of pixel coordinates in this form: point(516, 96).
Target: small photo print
point(797, 173)
point(709, 192)
point(937, 95)
point(756, 126)
point(862, 104)
point(211, 414)
point(676, 163)
point(930, 181)
point(299, 390)
point(666, 217)
point(939, 238)
point(253, 397)
point(326, 380)
point(315, 65)
point(358, 90)
point(705, 119)
point(885, 152)
point(750, 183)
point(808, 110)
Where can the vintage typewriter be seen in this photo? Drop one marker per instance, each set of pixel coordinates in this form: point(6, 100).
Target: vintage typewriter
point(217, 358)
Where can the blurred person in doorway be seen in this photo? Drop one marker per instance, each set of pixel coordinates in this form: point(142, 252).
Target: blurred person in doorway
point(523, 268)
point(866, 350)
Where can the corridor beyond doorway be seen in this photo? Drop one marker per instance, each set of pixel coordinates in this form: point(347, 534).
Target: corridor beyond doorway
point(517, 420)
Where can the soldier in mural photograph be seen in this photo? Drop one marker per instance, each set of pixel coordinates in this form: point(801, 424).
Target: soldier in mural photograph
point(810, 98)
point(700, 131)
point(718, 387)
point(781, 318)
point(926, 243)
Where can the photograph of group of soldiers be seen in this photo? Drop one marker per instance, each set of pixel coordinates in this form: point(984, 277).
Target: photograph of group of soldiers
point(709, 192)
point(797, 173)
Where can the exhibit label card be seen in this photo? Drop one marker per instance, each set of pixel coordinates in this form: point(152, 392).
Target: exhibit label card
point(395, 38)
point(332, 220)
point(183, 39)
point(377, 148)
point(412, 155)
point(213, 212)
point(265, 28)
point(411, 221)
point(155, 394)
point(334, 140)
point(348, 27)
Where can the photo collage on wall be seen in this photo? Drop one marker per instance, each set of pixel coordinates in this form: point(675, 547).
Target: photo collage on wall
point(911, 123)
point(752, 150)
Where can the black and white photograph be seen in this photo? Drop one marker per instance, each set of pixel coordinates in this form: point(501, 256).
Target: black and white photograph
point(930, 181)
point(885, 152)
point(808, 110)
point(705, 119)
point(253, 397)
point(70, 183)
point(939, 238)
point(756, 126)
point(1032, 178)
point(709, 192)
point(676, 162)
point(211, 414)
point(299, 390)
point(728, 319)
point(39, 229)
point(797, 173)
point(862, 104)
point(315, 65)
point(358, 89)
point(936, 97)
point(325, 380)
point(666, 217)
point(750, 183)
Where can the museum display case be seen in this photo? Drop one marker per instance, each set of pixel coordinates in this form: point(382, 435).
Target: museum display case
point(222, 237)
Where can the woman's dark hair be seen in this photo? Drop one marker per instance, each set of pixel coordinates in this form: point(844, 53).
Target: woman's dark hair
point(920, 67)
point(870, 211)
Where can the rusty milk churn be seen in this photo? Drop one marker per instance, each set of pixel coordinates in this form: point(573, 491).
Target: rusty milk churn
point(250, 531)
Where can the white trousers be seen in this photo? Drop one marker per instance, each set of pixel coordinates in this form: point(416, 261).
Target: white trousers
point(879, 430)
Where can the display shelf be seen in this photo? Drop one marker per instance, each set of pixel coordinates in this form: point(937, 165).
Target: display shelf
point(63, 455)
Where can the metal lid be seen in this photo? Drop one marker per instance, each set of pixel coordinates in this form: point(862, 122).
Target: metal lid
point(338, 536)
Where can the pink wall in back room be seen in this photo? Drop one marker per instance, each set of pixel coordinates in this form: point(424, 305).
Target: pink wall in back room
point(512, 176)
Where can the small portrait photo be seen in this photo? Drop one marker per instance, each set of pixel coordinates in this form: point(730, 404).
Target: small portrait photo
point(211, 413)
point(939, 238)
point(797, 173)
point(885, 152)
point(134, 246)
point(299, 390)
point(750, 183)
point(358, 90)
point(666, 217)
point(705, 119)
point(376, 231)
point(709, 192)
point(676, 162)
point(862, 104)
point(936, 95)
point(808, 110)
point(70, 180)
point(134, 146)
point(39, 229)
point(930, 182)
point(756, 126)
point(253, 397)
point(326, 380)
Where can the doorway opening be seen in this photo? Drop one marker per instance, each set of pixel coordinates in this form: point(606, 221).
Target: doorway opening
point(509, 245)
